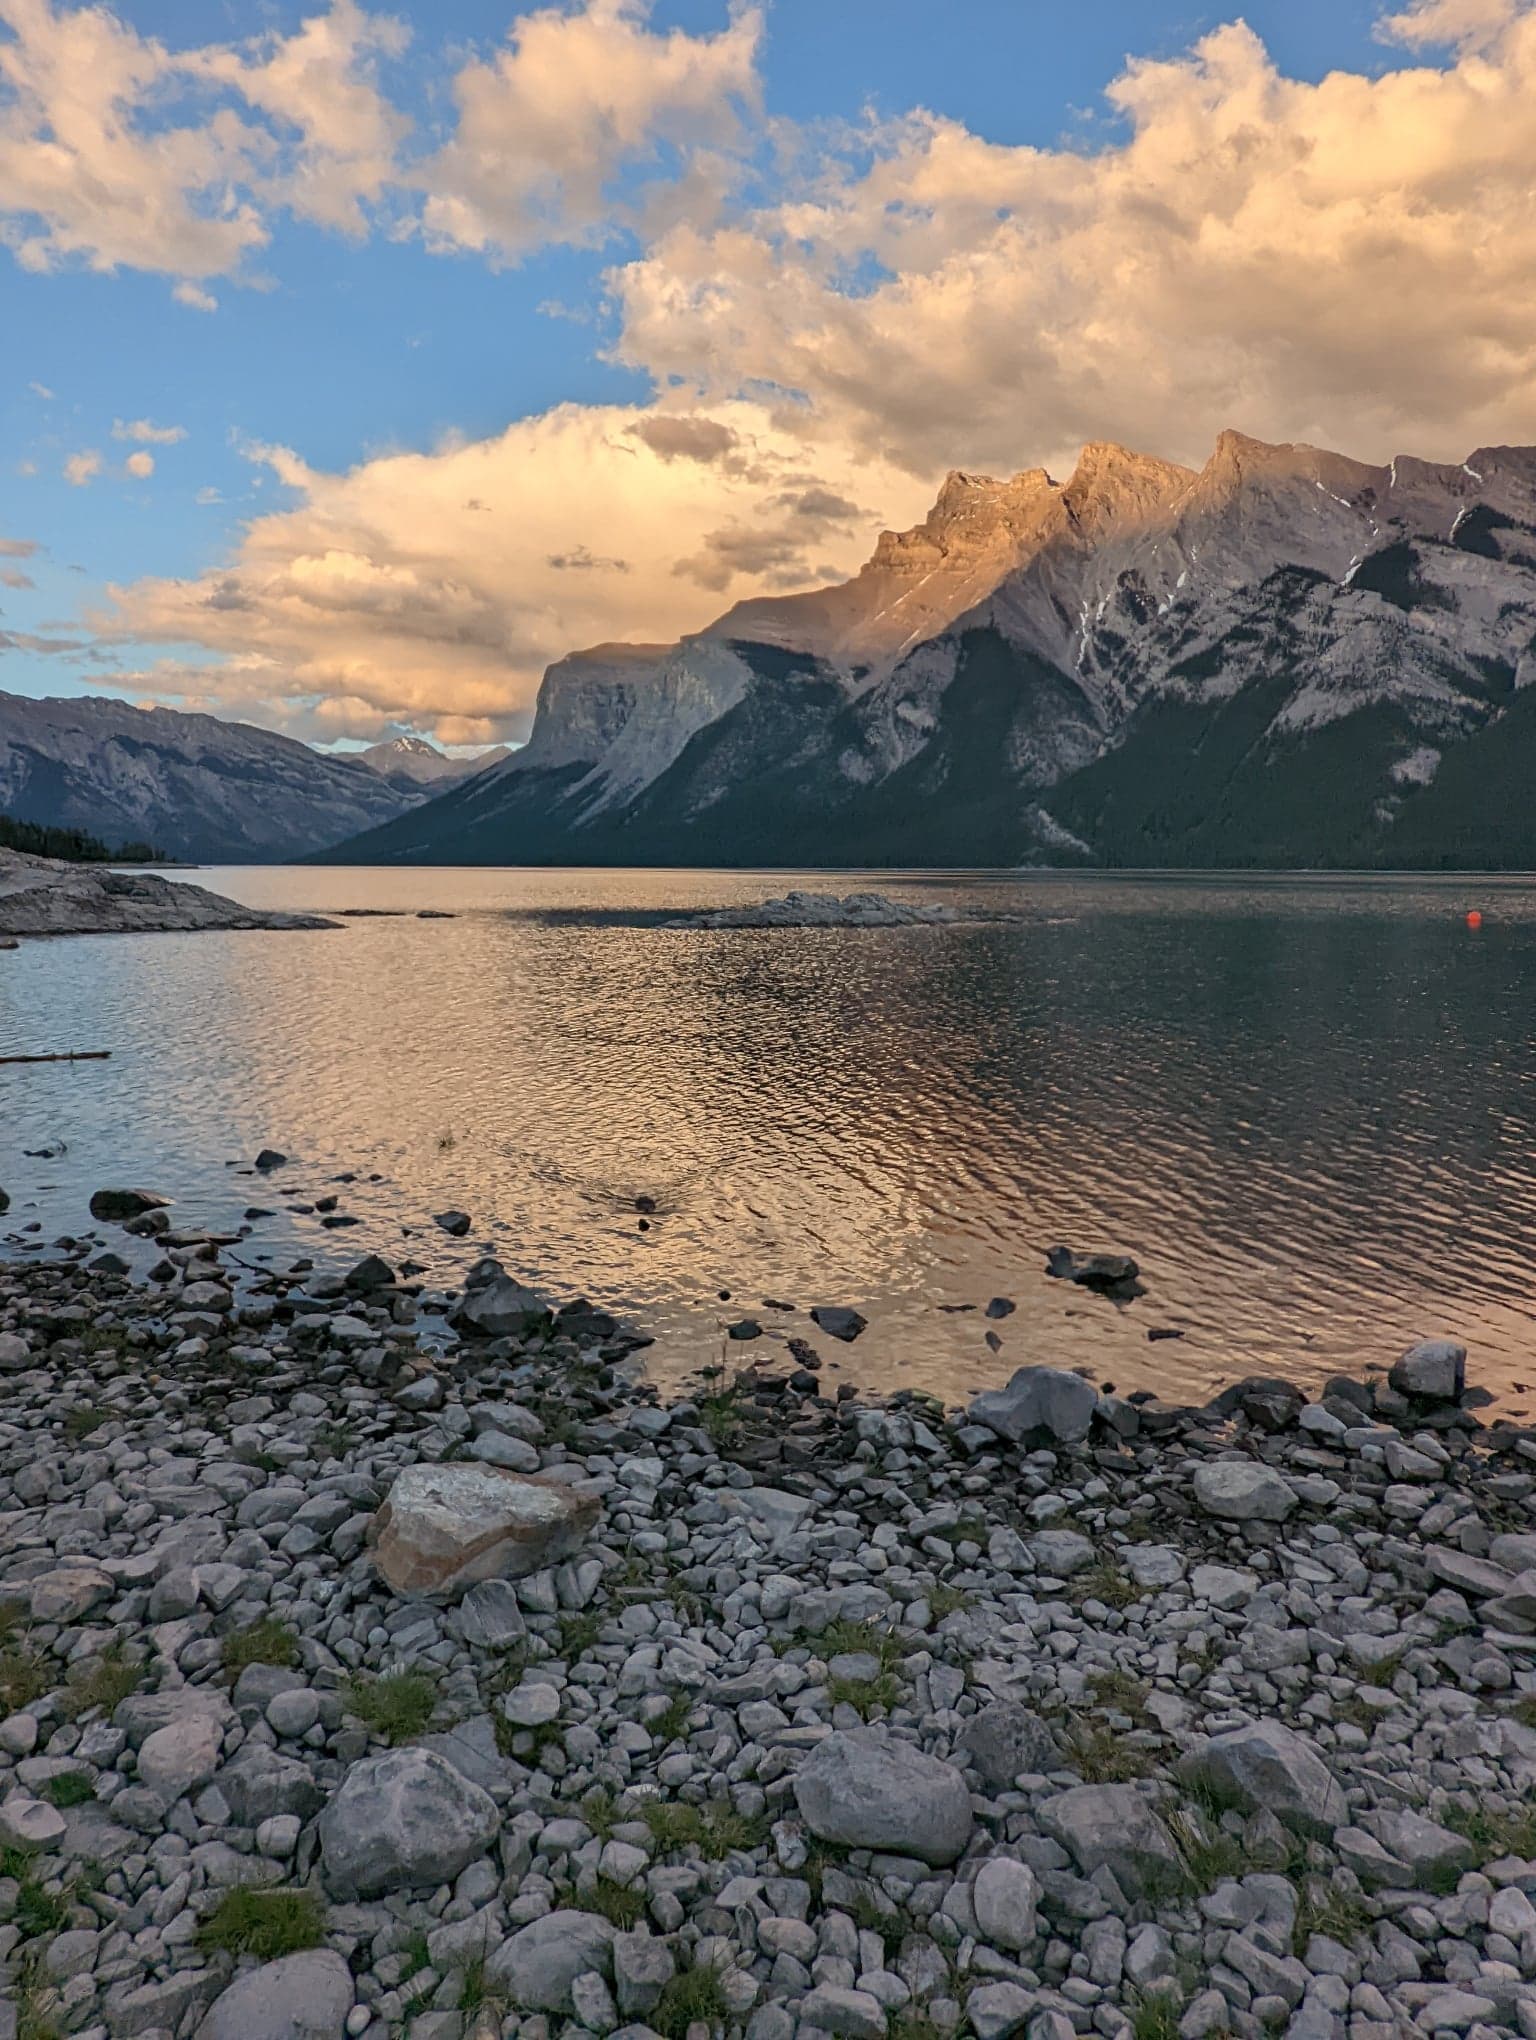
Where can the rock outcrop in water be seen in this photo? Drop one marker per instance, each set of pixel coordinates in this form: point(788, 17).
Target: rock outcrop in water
point(41, 896)
point(826, 910)
point(843, 1718)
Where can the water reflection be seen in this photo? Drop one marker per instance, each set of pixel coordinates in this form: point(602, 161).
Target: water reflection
point(1305, 1108)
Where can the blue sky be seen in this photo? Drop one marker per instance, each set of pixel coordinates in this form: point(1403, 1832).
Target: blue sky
point(359, 327)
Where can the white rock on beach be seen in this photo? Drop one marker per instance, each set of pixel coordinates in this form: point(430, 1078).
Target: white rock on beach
point(445, 1528)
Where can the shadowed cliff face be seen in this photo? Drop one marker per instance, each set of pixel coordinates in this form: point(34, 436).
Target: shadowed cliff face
point(1269, 661)
point(194, 787)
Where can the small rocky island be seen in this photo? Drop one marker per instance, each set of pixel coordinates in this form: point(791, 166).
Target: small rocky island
point(349, 1688)
point(826, 910)
point(46, 896)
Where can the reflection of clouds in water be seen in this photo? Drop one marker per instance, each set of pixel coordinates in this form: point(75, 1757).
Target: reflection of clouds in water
point(1305, 1108)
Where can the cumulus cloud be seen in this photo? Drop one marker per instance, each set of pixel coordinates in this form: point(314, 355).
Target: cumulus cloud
point(146, 433)
point(81, 468)
point(434, 588)
point(1352, 261)
point(17, 548)
point(547, 125)
point(140, 465)
point(685, 438)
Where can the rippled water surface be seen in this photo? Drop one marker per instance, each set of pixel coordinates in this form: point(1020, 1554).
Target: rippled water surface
point(1306, 1107)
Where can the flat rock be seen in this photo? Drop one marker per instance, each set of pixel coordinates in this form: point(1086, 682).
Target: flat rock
point(838, 1322)
point(406, 1818)
point(1114, 1828)
point(538, 1964)
point(868, 1790)
point(1435, 1370)
point(447, 1527)
point(299, 1997)
point(1267, 1767)
point(1243, 1491)
point(501, 1309)
point(45, 896)
point(112, 1206)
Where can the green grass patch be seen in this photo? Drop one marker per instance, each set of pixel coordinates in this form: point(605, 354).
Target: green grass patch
point(1106, 1582)
point(871, 1916)
point(1384, 1673)
point(40, 1911)
point(251, 1921)
point(578, 1634)
point(102, 1684)
point(712, 1832)
point(1341, 1915)
point(1524, 1711)
point(946, 1600)
point(397, 1706)
point(694, 1996)
point(1208, 1852)
point(869, 1639)
point(865, 1696)
point(1120, 1691)
point(80, 1423)
point(267, 1642)
point(600, 1813)
point(475, 1991)
point(1493, 1830)
point(416, 1955)
point(619, 1904)
point(24, 1676)
point(1102, 1756)
point(667, 1726)
point(70, 1788)
point(1154, 2015)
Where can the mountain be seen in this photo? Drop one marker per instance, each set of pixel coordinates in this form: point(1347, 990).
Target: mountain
point(1286, 657)
point(411, 762)
point(196, 788)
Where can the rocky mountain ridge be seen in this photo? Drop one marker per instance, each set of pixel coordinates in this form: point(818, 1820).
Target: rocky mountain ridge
point(410, 762)
point(198, 788)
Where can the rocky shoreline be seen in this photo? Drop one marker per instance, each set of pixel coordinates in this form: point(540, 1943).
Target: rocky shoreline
point(353, 1687)
point(46, 896)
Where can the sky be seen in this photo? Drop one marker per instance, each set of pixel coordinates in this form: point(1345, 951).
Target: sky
point(358, 361)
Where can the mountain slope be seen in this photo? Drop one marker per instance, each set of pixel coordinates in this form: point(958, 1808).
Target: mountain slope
point(1288, 657)
point(411, 762)
point(196, 788)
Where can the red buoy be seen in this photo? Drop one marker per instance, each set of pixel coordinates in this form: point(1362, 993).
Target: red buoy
point(1474, 919)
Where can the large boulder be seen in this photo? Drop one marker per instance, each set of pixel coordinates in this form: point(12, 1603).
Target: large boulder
point(1267, 1767)
point(405, 1818)
point(1267, 1403)
point(537, 1965)
point(299, 1997)
point(501, 1309)
point(1243, 1491)
point(1114, 1828)
point(1043, 1401)
point(1435, 1370)
point(445, 1528)
point(868, 1790)
point(1004, 1898)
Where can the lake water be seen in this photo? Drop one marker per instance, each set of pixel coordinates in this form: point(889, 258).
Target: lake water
point(1307, 1107)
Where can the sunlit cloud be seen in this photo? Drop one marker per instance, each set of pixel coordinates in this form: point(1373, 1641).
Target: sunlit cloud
point(81, 468)
point(146, 433)
point(140, 465)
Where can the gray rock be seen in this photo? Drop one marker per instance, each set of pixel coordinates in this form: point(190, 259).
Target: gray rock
point(299, 1997)
point(489, 1617)
point(1004, 1898)
point(540, 1962)
point(838, 1322)
point(1243, 1491)
point(1112, 1827)
point(851, 2014)
point(1268, 1767)
point(446, 1527)
point(501, 1309)
point(1435, 1369)
point(401, 1819)
point(115, 1205)
point(455, 1223)
point(867, 1790)
point(1044, 1400)
point(997, 2010)
point(1007, 1739)
point(642, 1968)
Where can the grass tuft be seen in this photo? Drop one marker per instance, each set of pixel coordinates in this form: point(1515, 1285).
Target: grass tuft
point(1154, 2016)
point(102, 1684)
point(397, 1706)
point(1341, 1915)
point(267, 1642)
point(619, 1904)
point(1102, 1756)
point(70, 1788)
point(668, 1726)
point(693, 1997)
point(1106, 1582)
point(712, 1832)
point(1493, 1830)
point(864, 1696)
point(251, 1921)
point(946, 1600)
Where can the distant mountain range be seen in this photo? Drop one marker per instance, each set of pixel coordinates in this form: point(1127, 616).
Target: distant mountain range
point(197, 788)
point(1284, 658)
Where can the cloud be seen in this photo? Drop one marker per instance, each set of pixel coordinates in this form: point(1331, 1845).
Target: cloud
point(208, 495)
point(13, 577)
point(122, 153)
point(193, 295)
point(81, 468)
point(547, 127)
point(385, 595)
point(18, 548)
point(146, 433)
point(1352, 261)
point(1460, 24)
point(685, 438)
point(140, 465)
point(40, 390)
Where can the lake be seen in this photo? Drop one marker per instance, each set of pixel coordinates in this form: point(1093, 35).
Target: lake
point(1306, 1106)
